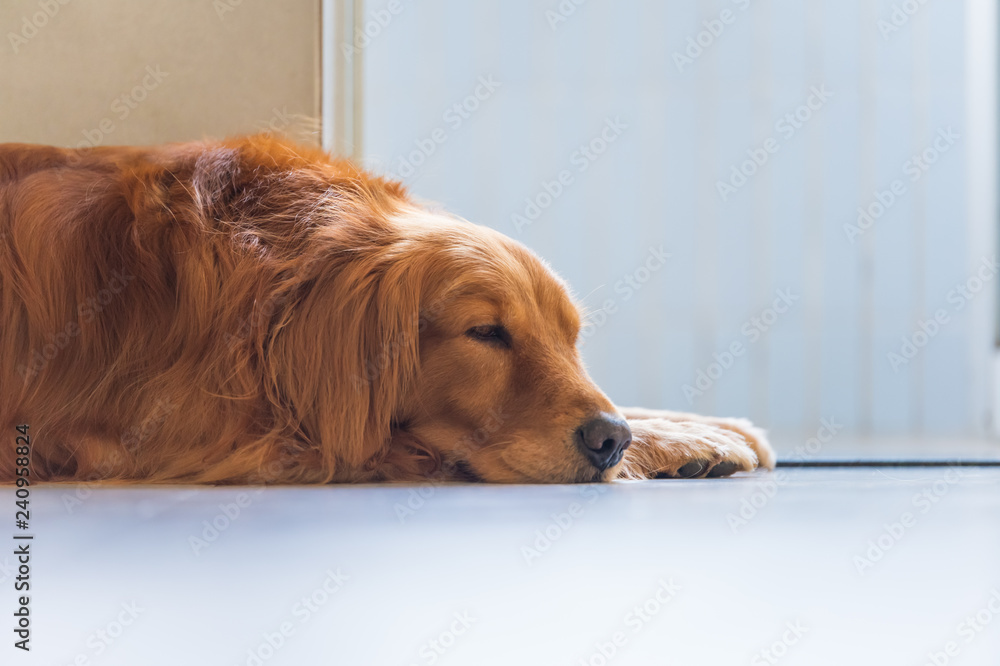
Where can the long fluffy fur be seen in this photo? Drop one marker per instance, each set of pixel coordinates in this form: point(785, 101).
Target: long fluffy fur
point(218, 258)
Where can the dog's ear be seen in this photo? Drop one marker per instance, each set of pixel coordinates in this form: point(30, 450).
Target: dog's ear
point(347, 352)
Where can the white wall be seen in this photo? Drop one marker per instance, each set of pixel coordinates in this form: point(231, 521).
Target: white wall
point(656, 185)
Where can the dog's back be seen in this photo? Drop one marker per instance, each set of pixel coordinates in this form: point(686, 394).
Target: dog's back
point(137, 289)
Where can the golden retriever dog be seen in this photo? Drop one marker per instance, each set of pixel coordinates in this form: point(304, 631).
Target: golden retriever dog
point(254, 311)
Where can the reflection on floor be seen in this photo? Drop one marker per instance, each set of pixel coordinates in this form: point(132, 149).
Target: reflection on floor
point(801, 566)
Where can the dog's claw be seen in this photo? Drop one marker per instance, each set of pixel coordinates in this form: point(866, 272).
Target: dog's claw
point(691, 470)
point(725, 468)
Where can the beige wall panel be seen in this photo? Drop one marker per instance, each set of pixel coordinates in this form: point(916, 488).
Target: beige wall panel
point(140, 71)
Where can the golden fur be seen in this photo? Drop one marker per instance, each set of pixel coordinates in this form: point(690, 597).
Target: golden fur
point(254, 311)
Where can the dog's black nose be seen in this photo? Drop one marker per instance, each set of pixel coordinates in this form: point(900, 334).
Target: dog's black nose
point(604, 440)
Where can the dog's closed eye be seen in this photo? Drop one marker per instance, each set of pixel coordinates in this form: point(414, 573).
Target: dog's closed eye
point(490, 334)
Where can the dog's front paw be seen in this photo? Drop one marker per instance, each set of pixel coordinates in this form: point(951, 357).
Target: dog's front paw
point(689, 449)
point(755, 437)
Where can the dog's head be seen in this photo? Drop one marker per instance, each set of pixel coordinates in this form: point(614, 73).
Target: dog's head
point(452, 343)
point(499, 392)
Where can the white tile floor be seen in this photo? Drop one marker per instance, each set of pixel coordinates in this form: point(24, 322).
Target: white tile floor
point(466, 574)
